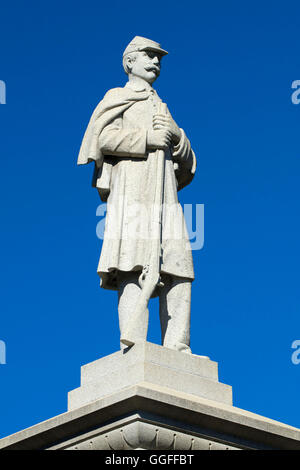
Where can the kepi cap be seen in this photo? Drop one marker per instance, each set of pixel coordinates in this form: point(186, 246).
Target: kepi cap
point(143, 44)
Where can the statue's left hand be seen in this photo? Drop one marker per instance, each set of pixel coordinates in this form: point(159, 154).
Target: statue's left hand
point(165, 121)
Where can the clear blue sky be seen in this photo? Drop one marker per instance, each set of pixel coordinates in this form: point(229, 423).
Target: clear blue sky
point(227, 81)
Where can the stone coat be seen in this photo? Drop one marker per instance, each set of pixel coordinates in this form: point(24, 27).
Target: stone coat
point(130, 173)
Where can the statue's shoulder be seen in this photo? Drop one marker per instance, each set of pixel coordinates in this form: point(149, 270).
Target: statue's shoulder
point(112, 98)
point(115, 92)
point(115, 98)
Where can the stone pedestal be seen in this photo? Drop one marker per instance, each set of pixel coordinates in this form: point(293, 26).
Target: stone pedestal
point(150, 397)
point(149, 363)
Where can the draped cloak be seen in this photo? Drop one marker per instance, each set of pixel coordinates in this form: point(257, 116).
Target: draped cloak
point(125, 174)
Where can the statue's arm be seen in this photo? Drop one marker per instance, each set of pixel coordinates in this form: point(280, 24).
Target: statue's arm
point(181, 151)
point(118, 141)
point(183, 154)
point(184, 161)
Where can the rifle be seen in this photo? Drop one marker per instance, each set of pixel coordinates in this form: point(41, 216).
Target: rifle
point(150, 276)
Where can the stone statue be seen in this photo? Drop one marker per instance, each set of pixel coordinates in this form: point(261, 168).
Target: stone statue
point(142, 158)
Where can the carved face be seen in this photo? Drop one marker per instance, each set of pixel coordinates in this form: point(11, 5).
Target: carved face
point(146, 65)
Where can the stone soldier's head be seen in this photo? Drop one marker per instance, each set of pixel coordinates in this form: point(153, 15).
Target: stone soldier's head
point(142, 57)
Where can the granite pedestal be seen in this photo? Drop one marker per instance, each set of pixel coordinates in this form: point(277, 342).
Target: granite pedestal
point(151, 397)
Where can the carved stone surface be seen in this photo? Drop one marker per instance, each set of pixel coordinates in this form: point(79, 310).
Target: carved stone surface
point(147, 362)
point(142, 159)
point(148, 416)
point(141, 435)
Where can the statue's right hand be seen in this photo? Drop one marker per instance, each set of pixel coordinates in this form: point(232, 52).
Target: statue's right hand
point(159, 139)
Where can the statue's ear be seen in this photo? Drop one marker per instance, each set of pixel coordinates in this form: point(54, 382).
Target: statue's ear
point(128, 61)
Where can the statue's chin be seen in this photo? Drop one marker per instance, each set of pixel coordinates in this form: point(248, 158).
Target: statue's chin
point(149, 77)
point(152, 79)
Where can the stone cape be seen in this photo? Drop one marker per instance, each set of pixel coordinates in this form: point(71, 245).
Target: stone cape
point(117, 129)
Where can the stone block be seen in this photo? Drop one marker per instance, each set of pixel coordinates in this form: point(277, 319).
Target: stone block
point(149, 363)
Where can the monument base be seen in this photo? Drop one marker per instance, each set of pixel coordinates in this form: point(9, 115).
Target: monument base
point(153, 364)
point(151, 397)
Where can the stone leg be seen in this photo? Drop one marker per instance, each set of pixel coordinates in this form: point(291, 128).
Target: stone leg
point(129, 291)
point(174, 310)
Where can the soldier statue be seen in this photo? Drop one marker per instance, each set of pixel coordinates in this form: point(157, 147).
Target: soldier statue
point(142, 159)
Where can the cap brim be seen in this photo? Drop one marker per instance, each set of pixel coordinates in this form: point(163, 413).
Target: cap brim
point(154, 49)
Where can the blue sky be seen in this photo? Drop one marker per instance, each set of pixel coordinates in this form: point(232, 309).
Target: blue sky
point(227, 81)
